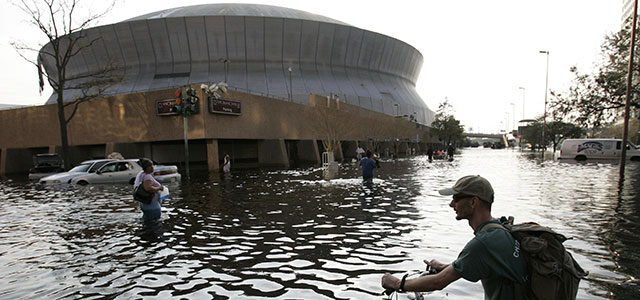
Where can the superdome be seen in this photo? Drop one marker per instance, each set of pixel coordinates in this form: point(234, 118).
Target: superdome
point(239, 10)
point(259, 49)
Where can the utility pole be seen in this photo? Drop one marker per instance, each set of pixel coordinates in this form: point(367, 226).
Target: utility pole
point(544, 117)
point(521, 88)
point(625, 131)
point(290, 86)
point(187, 103)
point(186, 143)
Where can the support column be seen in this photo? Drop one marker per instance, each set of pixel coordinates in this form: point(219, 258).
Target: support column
point(3, 161)
point(212, 155)
point(273, 153)
point(148, 150)
point(283, 153)
point(308, 151)
point(52, 148)
point(108, 148)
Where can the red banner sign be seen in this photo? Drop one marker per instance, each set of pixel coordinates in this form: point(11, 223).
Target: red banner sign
point(225, 106)
point(163, 107)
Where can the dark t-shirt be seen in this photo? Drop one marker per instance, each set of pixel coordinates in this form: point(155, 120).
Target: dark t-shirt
point(368, 165)
point(493, 256)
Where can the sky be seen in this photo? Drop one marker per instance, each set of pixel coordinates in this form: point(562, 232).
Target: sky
point(482, 56)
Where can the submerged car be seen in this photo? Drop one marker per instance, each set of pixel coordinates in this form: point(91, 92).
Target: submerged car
point(163, 173)
point(125, 171)
point(45, 165)
point(84, 168)
point(116, 171)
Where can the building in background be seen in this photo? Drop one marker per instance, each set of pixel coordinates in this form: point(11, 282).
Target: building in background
point(258, 49)
point(294, 79)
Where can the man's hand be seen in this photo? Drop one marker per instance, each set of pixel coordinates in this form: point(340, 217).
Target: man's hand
point(434, 264)
point(390, 282)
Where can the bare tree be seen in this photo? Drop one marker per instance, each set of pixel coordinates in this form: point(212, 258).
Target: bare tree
point(65, 27)
point(331, 123)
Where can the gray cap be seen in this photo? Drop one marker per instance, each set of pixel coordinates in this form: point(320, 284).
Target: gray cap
point(472, 185)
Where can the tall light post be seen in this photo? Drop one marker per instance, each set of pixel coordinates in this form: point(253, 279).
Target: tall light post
point(226, 62)
point(290, 86)
point(625, 130)
point(521, 88)
point(513, 114)
point(544, 116)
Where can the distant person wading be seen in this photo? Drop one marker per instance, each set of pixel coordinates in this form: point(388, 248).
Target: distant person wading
point(368, 164)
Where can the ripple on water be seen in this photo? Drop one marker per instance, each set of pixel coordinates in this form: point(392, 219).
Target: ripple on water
point(292, 235)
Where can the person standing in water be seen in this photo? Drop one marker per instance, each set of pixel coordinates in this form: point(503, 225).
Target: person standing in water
point(368, 164)
point(359, 153)
point(226, 167)
point(151, 211)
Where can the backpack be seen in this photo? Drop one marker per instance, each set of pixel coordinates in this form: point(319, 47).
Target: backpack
point(141, 195)
point(553, 273)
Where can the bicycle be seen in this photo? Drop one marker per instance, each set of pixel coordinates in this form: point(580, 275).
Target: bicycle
point(416, 295)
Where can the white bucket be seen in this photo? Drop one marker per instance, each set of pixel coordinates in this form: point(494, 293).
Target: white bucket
point(164, 194)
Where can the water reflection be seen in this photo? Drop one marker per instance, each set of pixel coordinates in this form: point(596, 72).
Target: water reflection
point(290, 234)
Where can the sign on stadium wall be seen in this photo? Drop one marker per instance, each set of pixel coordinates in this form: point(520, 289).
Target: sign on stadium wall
point(163, 107)
point(225, 106)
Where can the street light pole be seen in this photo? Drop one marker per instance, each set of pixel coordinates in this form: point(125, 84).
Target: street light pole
point(513, 120)
point(522, 101)
point(290, 86)
point(225, 61)
point(544, 116)
point(625, 131)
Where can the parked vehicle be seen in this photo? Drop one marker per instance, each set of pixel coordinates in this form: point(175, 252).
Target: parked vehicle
point(45, 165)
point(583, 149)
point(163, 173)
point(116, 171)
point(86, 167)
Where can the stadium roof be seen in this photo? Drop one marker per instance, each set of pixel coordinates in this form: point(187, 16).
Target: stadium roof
point(236, 9)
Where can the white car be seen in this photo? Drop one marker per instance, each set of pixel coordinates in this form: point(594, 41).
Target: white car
point(84, 168)
point(163, 173)
point(125, 171)
point(116, 171)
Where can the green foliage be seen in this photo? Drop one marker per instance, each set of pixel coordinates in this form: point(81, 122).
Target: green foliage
point(598, 99)
point(445, 126)
point(555, 132)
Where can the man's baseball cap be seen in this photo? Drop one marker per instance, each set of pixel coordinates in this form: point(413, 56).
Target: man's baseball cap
point(472, 185)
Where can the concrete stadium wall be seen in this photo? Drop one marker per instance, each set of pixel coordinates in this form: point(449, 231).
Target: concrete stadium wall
point(129, 124)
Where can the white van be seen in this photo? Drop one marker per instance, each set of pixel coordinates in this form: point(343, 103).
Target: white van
point(583, 149)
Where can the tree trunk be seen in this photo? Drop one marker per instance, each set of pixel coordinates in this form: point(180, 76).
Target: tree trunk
point(63, 132)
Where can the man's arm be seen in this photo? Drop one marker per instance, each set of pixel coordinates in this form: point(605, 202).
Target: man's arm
point(433, 282)
point(425, 283)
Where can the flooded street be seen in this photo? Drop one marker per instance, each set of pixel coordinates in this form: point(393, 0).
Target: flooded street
point(292, 235)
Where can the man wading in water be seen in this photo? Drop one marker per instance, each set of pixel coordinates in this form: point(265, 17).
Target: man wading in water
point(368, 164)
point(492, 256)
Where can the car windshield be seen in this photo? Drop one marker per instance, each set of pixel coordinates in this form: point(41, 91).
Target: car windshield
point(80, 168)
point(97, 166)
point(632, 145)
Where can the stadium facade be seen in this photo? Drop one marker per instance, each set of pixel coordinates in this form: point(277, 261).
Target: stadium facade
point(295, 78)
point(259, 49)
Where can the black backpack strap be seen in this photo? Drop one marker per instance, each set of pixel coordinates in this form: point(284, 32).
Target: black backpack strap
point(519, 291)
point(492, 225)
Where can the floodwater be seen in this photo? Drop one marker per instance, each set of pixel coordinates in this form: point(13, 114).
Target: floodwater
point(292, 235)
